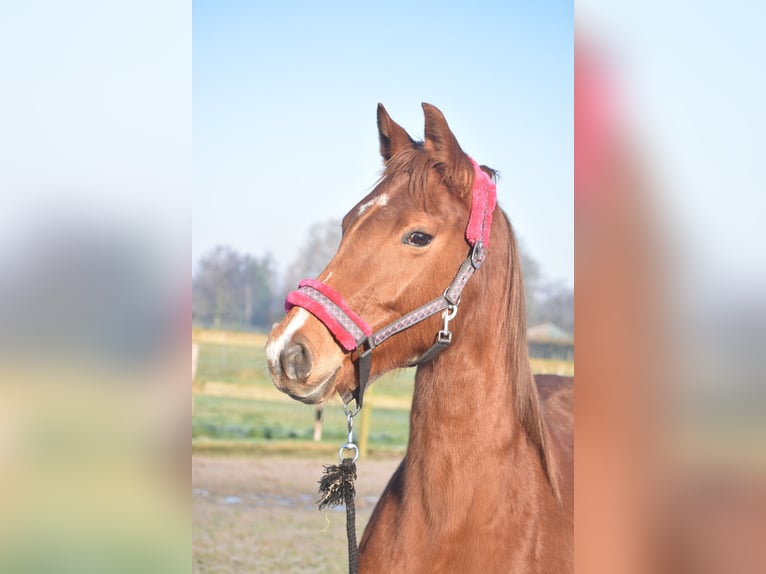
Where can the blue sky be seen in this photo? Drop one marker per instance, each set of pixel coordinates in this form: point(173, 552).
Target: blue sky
point(284, 101)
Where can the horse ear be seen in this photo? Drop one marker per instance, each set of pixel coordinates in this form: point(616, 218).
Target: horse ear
point(393, 137)
point(441, 143)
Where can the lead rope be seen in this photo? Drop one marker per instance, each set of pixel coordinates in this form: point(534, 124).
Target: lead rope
point(336, 487)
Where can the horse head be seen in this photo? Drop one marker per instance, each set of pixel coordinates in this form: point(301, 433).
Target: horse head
point(401, 247)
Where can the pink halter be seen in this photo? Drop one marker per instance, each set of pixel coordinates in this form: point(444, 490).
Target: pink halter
point(483, 201)
point(353, 333)
point(326, 304)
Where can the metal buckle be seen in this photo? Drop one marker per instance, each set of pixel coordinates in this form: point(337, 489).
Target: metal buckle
point(478, 254)
point(450, 302)
point(444, 337)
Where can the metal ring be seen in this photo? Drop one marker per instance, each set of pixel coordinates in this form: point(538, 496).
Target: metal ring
point(447, 298)
point(348, 446)
point(354, 412)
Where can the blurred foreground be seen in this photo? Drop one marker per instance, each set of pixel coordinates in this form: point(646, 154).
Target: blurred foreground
point(93, 469)
point(95, 175)
point(670, 426)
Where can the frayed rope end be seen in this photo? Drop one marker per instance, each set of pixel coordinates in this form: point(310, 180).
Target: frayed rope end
point(336, 487)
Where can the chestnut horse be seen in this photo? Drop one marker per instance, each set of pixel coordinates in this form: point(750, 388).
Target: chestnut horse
point(486, 484)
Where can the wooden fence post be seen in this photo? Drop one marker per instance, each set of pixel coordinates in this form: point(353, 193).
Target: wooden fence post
point(364, 428)
point(318, 424)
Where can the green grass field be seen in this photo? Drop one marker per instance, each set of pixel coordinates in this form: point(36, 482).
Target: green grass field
point(238, 410)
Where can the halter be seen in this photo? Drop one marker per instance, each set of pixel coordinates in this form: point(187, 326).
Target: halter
point(353, 334)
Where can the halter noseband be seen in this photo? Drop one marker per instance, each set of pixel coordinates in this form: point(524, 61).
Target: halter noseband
point(354, 334)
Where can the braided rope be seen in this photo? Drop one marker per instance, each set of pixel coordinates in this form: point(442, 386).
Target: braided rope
point(353, 548)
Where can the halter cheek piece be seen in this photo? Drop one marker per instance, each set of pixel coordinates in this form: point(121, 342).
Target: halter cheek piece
point(351, 331)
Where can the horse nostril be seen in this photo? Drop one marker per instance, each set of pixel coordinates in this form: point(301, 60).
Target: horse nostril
point(296, 361)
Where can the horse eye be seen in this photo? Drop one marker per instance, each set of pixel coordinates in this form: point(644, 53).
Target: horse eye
point(418, 239)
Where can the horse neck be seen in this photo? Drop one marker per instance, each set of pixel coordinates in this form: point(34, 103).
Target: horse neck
point(467, 393)
point(469, 402)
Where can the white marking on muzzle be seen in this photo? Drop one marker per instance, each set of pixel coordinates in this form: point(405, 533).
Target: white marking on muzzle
point(274, 347)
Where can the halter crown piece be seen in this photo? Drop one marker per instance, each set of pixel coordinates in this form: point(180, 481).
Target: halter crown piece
point(354, 334)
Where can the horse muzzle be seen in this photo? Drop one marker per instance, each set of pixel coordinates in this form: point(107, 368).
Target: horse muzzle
point(295, 361)
point(302, 358)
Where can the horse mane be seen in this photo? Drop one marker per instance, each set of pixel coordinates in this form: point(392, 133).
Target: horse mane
point(526, 399)
point(417, 164)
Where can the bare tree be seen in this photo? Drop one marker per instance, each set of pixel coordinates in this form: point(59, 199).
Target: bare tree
point(547, 301)
point(231, 288)
point(555, 304)
point(322, 242)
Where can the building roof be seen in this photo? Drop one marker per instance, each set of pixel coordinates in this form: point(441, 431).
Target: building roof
point(549, 333)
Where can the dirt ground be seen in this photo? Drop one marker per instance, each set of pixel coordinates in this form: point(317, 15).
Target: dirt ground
point(259, 514)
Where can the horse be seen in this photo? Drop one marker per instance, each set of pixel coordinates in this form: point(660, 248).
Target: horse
point(486, 484)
